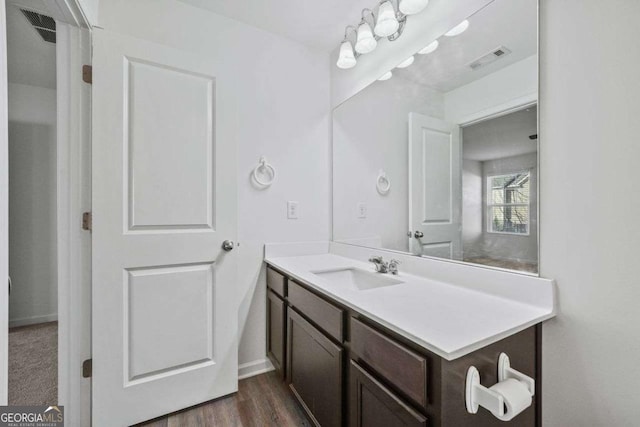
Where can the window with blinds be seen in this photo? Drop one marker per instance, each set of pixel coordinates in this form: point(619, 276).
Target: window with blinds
point(508, 203)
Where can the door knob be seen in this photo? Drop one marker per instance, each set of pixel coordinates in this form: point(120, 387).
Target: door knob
point(418, 234)
point(228, 245)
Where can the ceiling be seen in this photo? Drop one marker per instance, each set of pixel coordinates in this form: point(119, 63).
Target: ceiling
point(502, 137)
point(30, 60)
point(318, 24)
point(509, 23)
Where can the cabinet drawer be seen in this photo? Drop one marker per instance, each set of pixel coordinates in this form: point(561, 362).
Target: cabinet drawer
point(315, 371)
point(371, 404)
point(276, 331)
point(397, 364)
point(322, 313)
point(276, 282)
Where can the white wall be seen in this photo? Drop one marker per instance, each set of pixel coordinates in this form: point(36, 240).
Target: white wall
point(514, 85)
point(590, 205)
point(370, 133)
point(32, 204)
point(90, 9)
point(282, 112)
point(472, 185)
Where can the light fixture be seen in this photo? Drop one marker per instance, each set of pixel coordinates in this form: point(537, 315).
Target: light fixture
point(387, 23)
point(346, 58)
point(431, 47)
point(386, 76)
point(411, 7)
point(458, 29)
point(366, 42)
point(406, 62)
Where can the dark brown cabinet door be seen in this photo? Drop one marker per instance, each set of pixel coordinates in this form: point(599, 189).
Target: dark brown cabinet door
point(276, 332)
point(403, 368)
point(371, 404)
point(277, 282)
point(314, 371)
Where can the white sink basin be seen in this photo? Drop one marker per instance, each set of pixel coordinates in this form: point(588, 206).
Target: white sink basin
point(357, 279)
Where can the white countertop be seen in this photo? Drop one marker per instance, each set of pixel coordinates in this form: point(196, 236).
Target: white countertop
point(448, 320)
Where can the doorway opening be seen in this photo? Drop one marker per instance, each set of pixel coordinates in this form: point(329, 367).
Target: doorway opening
point(33, 299)
point(500, 184)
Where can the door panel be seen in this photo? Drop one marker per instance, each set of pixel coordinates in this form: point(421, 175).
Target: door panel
point(435, 181)
point(174, 190)
point(161, 305)
point(164, 307)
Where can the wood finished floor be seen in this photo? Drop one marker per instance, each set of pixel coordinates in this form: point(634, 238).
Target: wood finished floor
point(263, 400)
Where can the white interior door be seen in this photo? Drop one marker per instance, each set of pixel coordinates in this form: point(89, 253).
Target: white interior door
point(435, 193)
point(164, 200)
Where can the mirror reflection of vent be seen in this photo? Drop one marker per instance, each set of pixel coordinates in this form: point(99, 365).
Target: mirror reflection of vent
point(494, 55)
point(44, 25)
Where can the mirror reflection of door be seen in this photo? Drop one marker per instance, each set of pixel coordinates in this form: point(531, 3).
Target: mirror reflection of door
point(435, 196)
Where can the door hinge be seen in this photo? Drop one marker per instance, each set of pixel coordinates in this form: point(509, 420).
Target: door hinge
point(87, 368)
point(87, 74)
point(87, 220)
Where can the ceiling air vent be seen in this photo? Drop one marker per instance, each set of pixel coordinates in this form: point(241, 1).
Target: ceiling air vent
point(44, 25)
point(490, 57)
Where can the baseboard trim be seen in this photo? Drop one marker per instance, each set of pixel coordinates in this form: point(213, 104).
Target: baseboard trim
point(24, 321)
point(256, 367)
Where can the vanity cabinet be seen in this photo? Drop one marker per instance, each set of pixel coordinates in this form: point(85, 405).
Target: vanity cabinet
point(405, 369)
point(371, 404)
point(327, 316)
point(276, 320)
point(276, 332)
point(346, 369)
point(315, 371)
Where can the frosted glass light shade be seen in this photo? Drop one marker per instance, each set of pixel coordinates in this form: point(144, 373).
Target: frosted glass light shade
point(431, 47)
point(458, 29)
point(411, 7)
point(387, 24)
point(366, 41)
point(386, 76)
point(346, 59)
point(406, 62)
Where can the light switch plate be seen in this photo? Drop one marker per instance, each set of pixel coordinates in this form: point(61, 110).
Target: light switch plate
point(362, 210)
point(292, 210)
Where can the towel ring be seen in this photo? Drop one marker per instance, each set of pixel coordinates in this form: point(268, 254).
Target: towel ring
point(383, 184)
point(264, 166)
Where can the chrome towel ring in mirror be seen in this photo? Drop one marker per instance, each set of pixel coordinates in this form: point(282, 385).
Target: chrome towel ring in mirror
point(264, 168)
point(383, 184)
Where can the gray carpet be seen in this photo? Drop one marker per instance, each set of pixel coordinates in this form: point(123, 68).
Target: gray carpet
point(33, 364)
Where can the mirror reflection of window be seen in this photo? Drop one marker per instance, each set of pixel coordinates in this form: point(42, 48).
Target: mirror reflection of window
point(508, 205)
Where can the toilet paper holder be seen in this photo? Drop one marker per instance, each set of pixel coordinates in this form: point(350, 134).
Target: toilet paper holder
point(477, 395)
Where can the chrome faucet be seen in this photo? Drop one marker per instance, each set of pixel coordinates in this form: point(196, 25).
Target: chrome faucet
point(385, 267)
point(393, 266)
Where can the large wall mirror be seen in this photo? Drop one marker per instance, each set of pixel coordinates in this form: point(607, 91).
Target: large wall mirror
point(440, 157)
